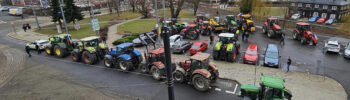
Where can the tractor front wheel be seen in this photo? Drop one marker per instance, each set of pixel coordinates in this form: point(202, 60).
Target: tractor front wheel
point(48, 51)
point(179, 76)
point(264, 29)
point(156, 73)
point(303, 40)
point(89, 58)
point(108, 63)
point(200, 82)
point(60, 52)
point(269, 33)
point(75, 56)
point(295, 35)
point(144, 68)
point(124, 65)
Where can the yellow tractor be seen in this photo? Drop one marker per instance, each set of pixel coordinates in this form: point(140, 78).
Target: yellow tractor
point(247, 24)
point(216, 26)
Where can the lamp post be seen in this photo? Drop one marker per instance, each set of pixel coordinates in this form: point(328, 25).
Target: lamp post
point(64, 19)
point(36, 18)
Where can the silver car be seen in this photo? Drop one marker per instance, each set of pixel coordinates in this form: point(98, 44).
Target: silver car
point(347, 51)
point(332, 46)
point(41, 43)
point(181, 46)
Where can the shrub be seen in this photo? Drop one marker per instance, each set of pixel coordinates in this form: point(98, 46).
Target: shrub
point(125, 39)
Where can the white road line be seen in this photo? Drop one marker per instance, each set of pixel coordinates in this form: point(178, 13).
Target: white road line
point(2, 21)
point(234, 91)
point(217, 89)
point(229, 92)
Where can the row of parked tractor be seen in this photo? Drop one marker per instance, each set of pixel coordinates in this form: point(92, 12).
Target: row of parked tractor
point(197, 71)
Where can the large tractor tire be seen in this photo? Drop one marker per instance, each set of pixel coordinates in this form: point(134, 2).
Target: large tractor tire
point(200, 82)
point(179, 77)
point(144, 68)
point(232, 56)
point(264, 29)
point(75, 56)
point(215, 55)
point(269, 33)
point(303, 40)
point(108, 63)
point(48, 51)
point(124, 65)
point(89, 58)
point(60, 52)
point(295, 35)
point(156, 73)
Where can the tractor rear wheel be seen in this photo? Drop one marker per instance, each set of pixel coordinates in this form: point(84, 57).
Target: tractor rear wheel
point(179, 76)
point(124, 65)
point(48, 51)
point(230, 57)
point(156, 73)
point(108, 63)
point(295, 35)
point(75, 56)
point(60, 52)
point(264, 29)
point(269, 33)
point(303, 40)
point(200, 82)
point(89, 58)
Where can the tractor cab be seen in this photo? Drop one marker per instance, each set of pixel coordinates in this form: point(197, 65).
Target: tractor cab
point(197, 61)
point(124, 48)
point(191, 27)
point(90, 41)
point(271, 88)
point(156, 55)
point(271, 21)
point(200, 18)
point(301, 27)
point(226, 38)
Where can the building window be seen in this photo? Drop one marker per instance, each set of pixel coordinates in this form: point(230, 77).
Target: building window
point(315, 14)
point(300, 5)
point(332, 16)
point(307, 5)
point(316, 6)
point(334, 7)
point(324, 15)
point(293, 4)
point(325, 6)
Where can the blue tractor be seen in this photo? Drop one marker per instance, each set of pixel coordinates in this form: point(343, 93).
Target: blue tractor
point(123, 57)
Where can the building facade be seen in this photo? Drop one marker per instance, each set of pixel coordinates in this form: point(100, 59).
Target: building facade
point(334, 9)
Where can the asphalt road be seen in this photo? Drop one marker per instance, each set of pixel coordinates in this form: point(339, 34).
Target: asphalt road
point(129, 85)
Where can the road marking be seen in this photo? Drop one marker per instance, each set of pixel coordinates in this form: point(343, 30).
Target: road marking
point(234, 91)
point(2, 22)
point(217, 89)
point(229, 92)
point(258, 26)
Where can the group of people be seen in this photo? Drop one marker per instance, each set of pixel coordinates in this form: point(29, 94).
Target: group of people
point(26, 27)
point(27, 48)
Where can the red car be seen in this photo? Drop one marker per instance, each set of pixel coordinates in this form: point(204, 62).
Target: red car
point(251, 55)
point(198, 47)
point(321, 20)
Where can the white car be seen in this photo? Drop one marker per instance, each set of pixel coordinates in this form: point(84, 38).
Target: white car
point(332, 46)
point(174, 38)
point(41, 43)
point(347, 51)
point(296, 16)
point(4, 8)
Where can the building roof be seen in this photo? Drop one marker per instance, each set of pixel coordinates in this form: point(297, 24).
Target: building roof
point(329, 2)
point(200, 56)
point(89, 38)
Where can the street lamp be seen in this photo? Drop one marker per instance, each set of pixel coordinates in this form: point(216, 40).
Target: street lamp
point(64, 19)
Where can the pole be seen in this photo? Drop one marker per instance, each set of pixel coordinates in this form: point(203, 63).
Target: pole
point(36, 17)
point(93, 15)
point(64, 19)
point(168, 58)
point(156, 11)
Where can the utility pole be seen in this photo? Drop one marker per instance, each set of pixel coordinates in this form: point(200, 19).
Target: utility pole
point(64, 19)
point(93, 15)
point(36, 18)
point(165, 33)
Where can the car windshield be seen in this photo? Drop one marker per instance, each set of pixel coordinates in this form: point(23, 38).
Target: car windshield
point(176, 46)
point(251, 52)
point(172, 40)
point(348, 48)
point(195, 46)
point(273, 55)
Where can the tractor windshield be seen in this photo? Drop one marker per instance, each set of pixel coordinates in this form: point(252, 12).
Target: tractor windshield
point(158, 57)
point(306, 27)
point(226, 40)
point(273, 93)
point(205, 64)
point(127, 49)
point(92, 43)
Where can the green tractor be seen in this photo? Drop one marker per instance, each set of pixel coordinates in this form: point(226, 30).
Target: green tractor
point(227, 48)
point(90, 50)
point(271, 88)
point(231, 24)
point(60, 45)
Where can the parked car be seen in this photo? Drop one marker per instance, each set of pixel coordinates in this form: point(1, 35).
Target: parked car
point(330, 21)
point(321, 20)
point(347, 51)
point(198, 47)
point(174, 38)
point(313, 19)
point(96, 12)
point(4, 8)
point(332, 46)
point(271, 58)
point(181, 46)
point(41, 43)
point(137, 42)
point(296, 16)
point(251, 55)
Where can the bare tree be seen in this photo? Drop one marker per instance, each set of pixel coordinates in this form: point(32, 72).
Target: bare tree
point(195, 4)
point(116, 5)
point(133, 4)
point(175, 14)
point(143, 8)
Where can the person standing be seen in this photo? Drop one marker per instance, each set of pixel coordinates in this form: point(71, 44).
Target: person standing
point(24, 27)
point(104, 39)
point(288, 63)
point(211, 39)
point(28, 51)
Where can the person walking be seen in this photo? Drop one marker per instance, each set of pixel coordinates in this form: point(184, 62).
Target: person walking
point(24, 27)
point(28, 51)
point(211, 39)
point(282, 39)
point(37, 48)
point(288, 63)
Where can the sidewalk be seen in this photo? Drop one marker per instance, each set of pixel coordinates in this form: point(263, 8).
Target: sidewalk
point(112, 32)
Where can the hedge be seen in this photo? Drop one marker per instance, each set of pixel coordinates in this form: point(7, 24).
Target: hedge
point(126, 39)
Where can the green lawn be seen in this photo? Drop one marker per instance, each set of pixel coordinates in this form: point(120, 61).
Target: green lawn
point(183, 14)
point(85, 27)
point(137, 26)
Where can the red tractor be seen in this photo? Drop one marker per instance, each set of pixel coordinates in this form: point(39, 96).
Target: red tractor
point(272, 29)
point(304, 34)
point(205, 28)
point(197, 71)
point(199, 19)
point(190, 32)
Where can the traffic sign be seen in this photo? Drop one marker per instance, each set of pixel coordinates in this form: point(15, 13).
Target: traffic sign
point(95, 25)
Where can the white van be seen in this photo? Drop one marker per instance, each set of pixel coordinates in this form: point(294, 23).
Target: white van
point(16, 11)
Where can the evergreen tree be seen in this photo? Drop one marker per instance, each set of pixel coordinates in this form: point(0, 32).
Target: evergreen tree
point(55, 8)
point(72, 12)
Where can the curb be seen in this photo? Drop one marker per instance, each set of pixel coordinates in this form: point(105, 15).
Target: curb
point(13, 37)
point(223, 78)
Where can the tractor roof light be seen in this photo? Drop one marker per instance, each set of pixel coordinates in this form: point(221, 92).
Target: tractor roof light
point(262, 82)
